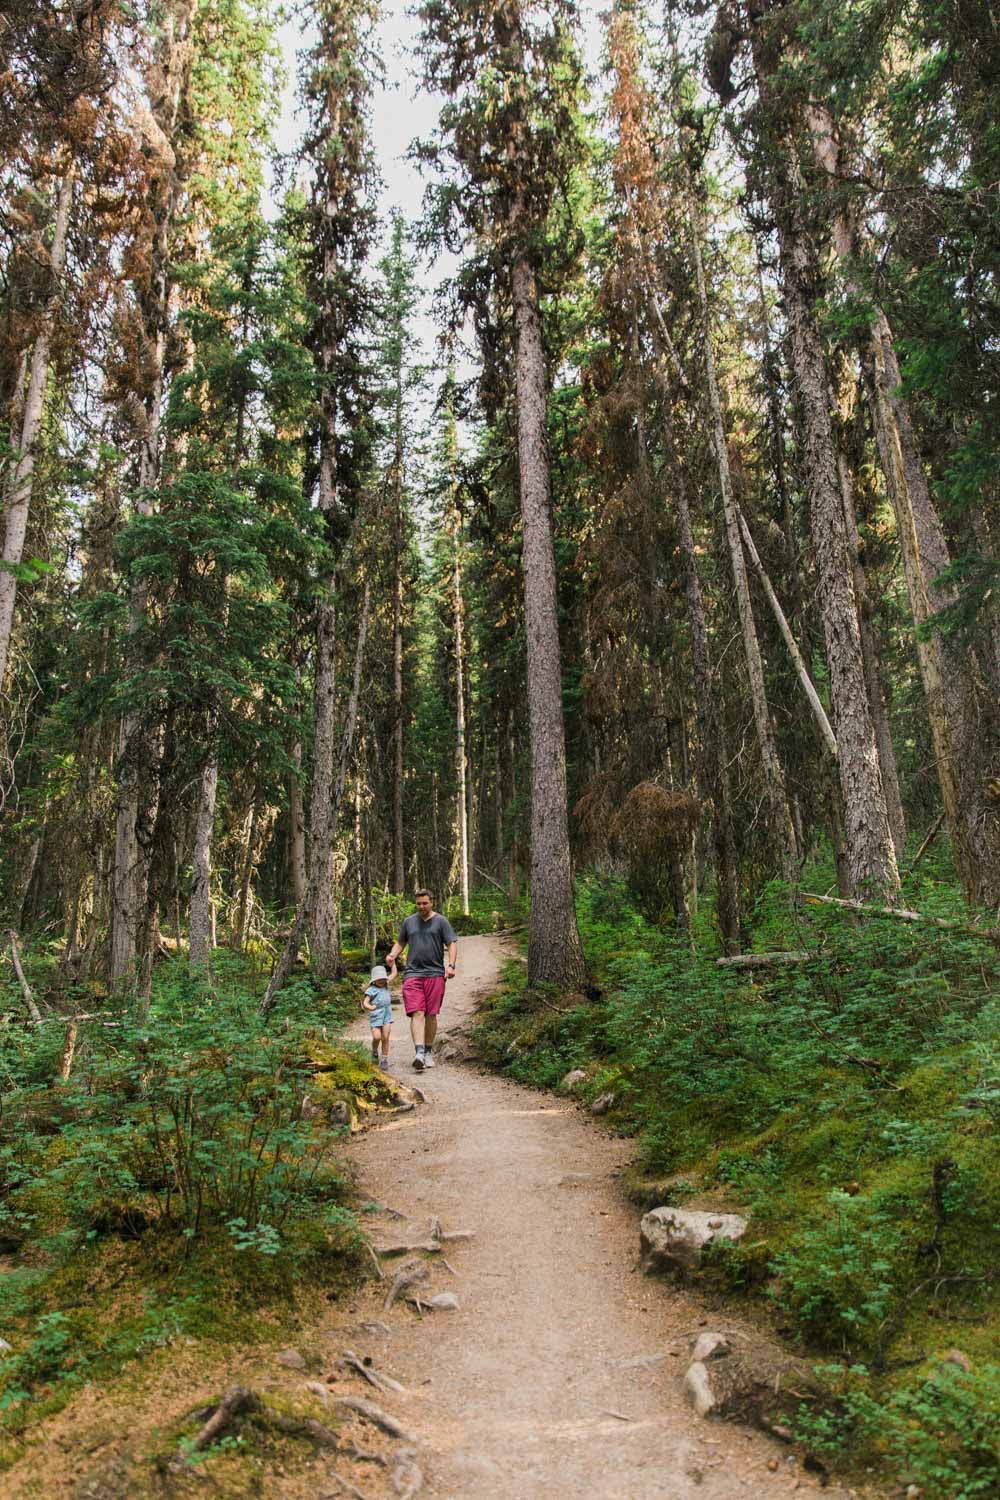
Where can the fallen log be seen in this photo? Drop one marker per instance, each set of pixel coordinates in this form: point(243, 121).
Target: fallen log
point(762, 960)
point(901, 914)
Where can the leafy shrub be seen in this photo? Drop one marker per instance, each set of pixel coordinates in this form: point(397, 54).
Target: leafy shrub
point(837, 1277)
point(941, 1433)
point(184, 1135)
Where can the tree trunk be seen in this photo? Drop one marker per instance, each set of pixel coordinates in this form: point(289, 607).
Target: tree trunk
point(246, 877)
point(324, 934)
point(296, 816)
point(801, 670)
point(555, 953)
point(965, 756)
point(461, 768)
point(873, 669)
point(870, 852)
point(18, 497)
point(291, 949)
point(713, 775)
point(398, 862)
point(199, 919)
point(774, 780)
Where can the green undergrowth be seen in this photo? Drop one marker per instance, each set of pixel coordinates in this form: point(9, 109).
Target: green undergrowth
point(851, 1105)
point(183, 1184)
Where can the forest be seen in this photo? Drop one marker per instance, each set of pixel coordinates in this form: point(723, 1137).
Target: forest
point(613, 549)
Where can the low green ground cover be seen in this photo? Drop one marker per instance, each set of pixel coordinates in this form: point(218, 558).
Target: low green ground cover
point(852, 1105)
point(174, 1187)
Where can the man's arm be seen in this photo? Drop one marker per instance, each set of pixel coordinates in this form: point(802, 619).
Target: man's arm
point(397, 948)
point(452, 955)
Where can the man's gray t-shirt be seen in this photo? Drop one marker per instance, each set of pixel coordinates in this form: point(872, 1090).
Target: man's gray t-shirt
point(425, 943)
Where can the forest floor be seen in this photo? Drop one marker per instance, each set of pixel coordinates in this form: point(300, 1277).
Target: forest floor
point(558, 1375)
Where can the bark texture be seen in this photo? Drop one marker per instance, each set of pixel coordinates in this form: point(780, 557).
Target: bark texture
point(200, 919)
point(290, 952)
point(868, 838)
point(962, 715)
point(555, 953)
point(774, 779)
point(18, 497)
point(297, 837)
point(461, 766)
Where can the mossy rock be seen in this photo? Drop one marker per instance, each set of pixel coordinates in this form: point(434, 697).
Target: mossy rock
point(345, 1087)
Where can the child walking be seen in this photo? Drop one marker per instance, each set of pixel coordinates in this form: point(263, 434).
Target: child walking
point(378, 1001)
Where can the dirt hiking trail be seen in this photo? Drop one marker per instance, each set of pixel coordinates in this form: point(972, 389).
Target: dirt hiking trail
point(560, 1374)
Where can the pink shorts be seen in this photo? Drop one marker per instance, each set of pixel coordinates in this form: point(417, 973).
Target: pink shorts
point(424, 992)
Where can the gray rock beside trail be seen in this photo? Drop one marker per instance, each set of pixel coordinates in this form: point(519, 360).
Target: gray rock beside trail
point(573, 1079)
point(698, 1389)
point(710, 1346)
point(673, 1239)
point(602, 1104)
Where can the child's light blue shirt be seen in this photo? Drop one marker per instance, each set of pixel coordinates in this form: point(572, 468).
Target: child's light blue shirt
point(381, 1015)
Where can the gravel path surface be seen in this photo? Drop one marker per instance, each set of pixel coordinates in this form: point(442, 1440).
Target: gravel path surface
point(560, 1374)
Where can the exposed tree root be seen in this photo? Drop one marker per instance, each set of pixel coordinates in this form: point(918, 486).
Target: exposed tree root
point(377, 1378)
point(412, 1273)
point(235, 1401)
point(375, 1415)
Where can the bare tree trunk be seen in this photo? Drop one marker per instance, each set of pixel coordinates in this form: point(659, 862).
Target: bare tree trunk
point(497, 799)
point(555, 953)
point(801, 670)
point(774, 780)
point(324, 935)
point(199, 919)
point(291, 950)
point(868, 838)
point(17, 501)
point(461, 767)
point(399, 866)
point(296, 817)
point(513, 846)
point(873, 669)
point(398, 862)
point(713, 773)
point(246, 877)
point(965, 756)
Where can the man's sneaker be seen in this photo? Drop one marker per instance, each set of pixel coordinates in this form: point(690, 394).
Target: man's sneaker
point(429, 1060)
point(418, 1063)
point(384, 1064)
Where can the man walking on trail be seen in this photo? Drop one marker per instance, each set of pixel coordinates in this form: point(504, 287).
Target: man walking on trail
point(425, 935)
